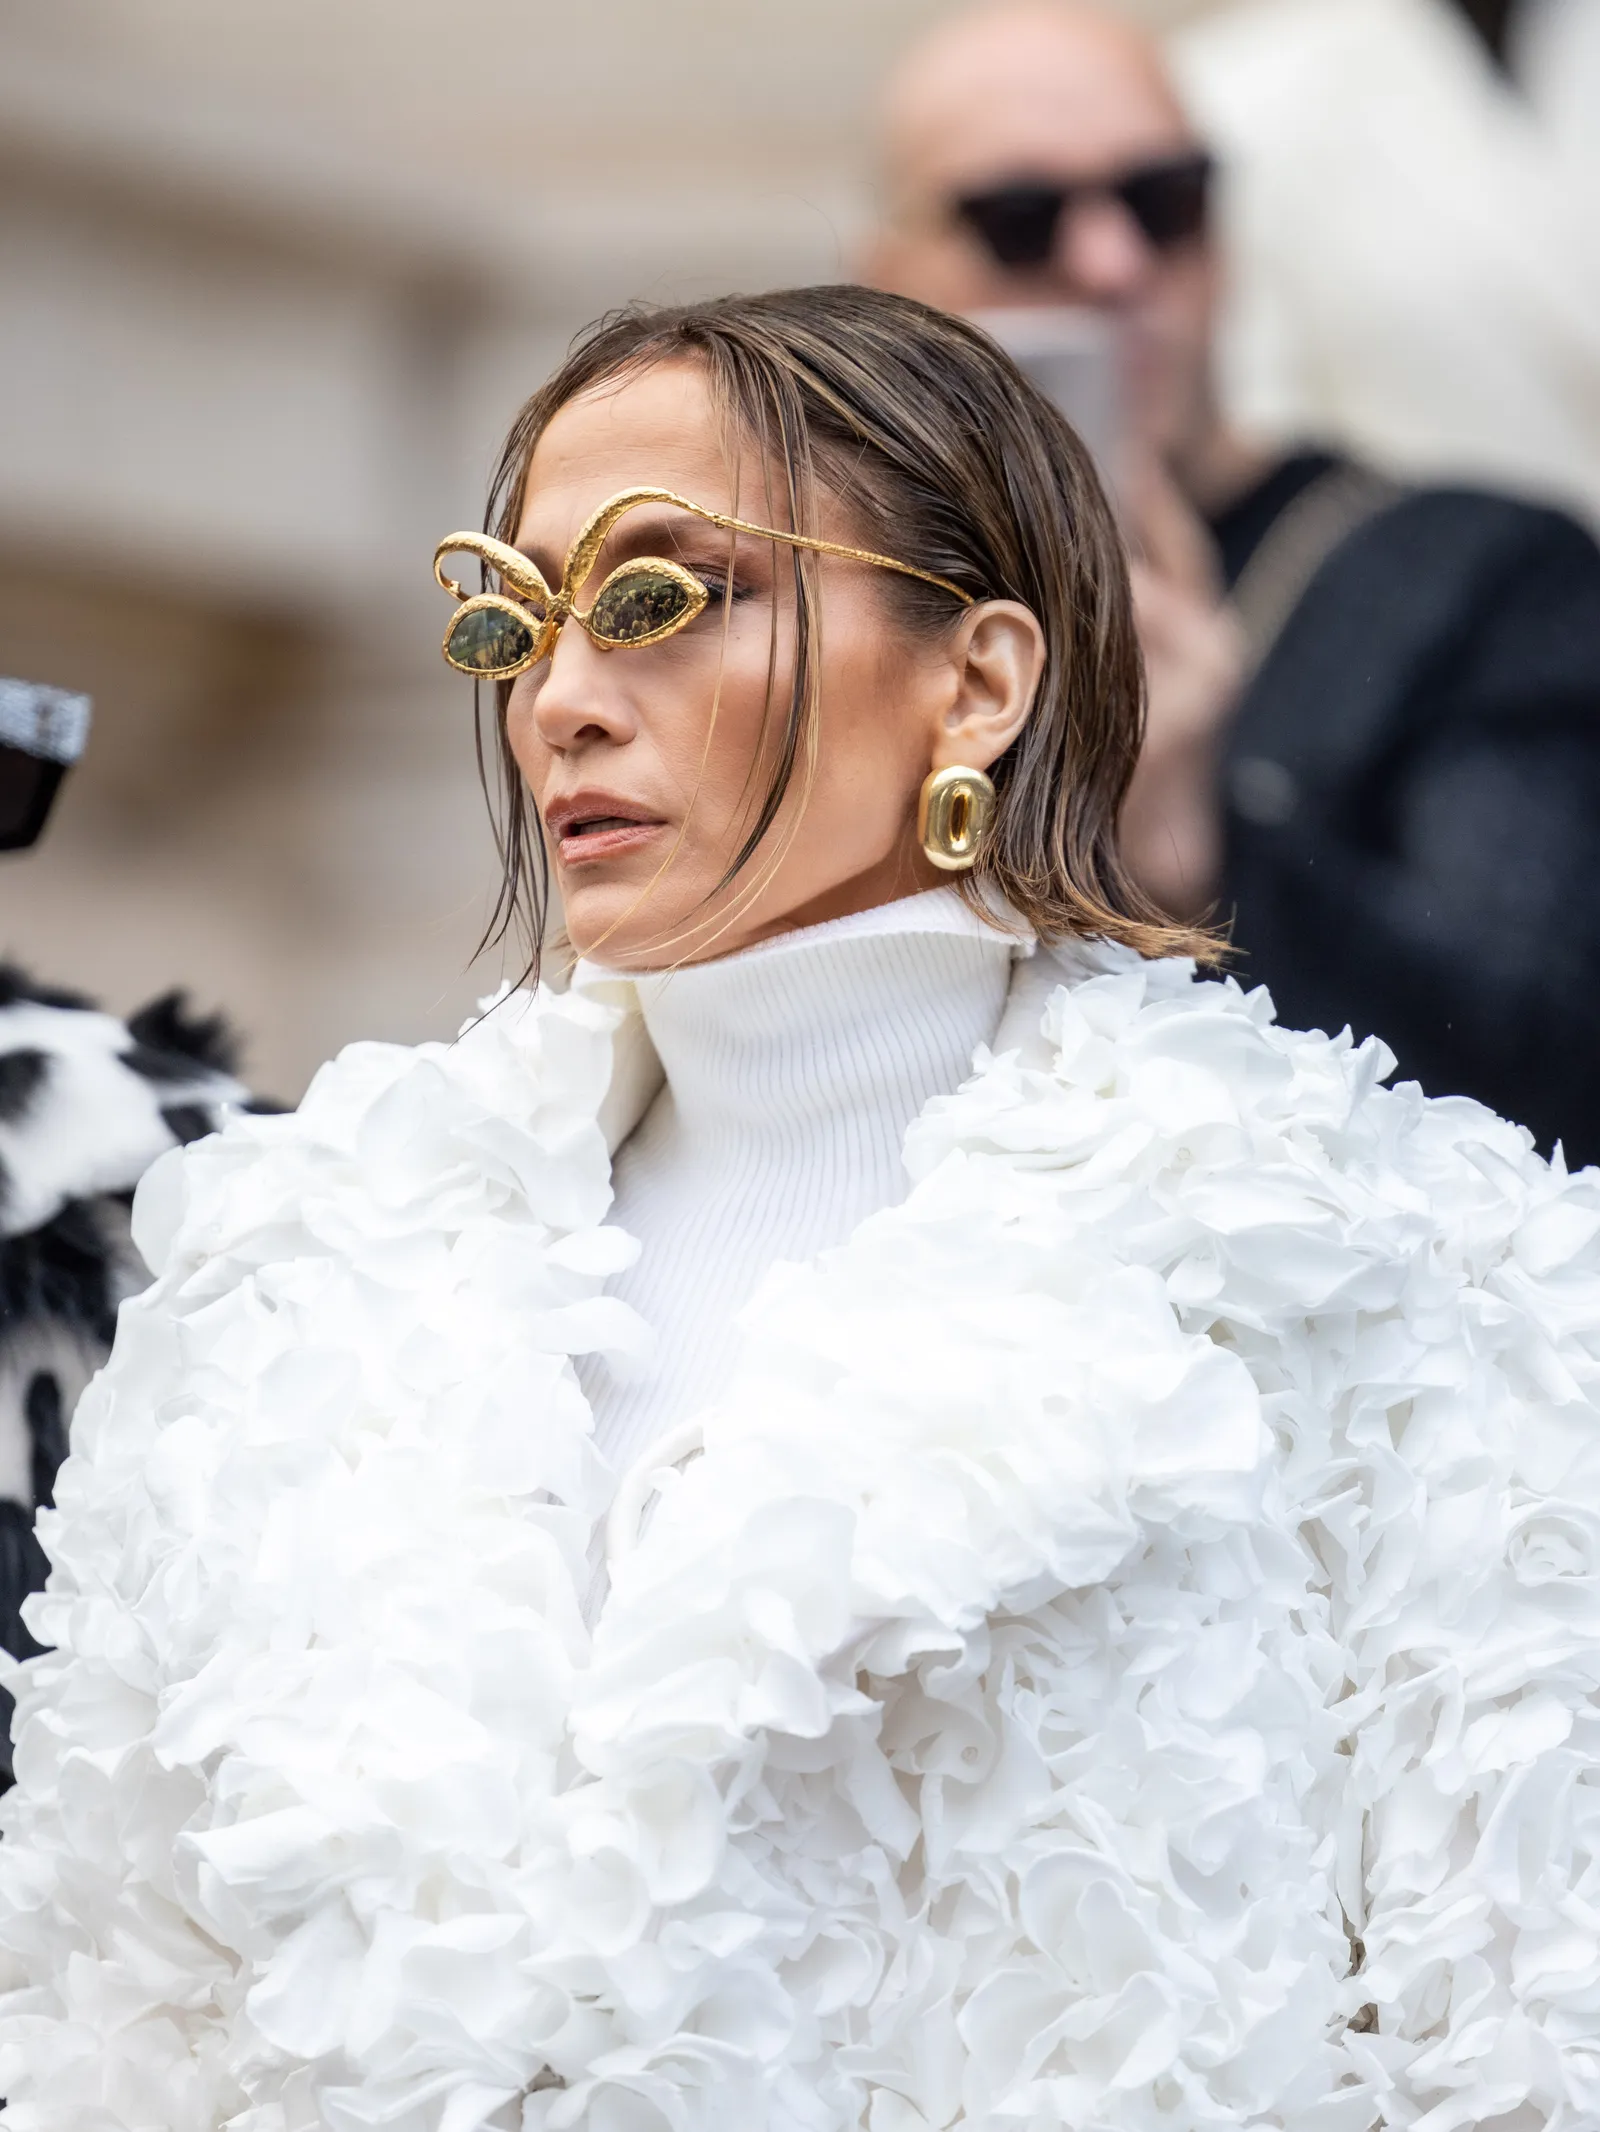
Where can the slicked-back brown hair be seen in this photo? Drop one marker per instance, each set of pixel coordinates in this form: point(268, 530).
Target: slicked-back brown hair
point(945, 456)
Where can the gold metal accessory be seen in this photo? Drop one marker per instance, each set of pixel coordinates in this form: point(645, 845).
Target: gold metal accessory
point(494, 635)
point(953, 817)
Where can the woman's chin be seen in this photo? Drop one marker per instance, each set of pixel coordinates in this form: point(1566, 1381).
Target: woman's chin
point(622, 927)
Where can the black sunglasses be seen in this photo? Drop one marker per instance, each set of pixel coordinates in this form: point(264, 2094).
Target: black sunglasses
point(1019, 222)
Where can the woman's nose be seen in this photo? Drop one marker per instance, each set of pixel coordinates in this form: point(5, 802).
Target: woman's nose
point(577, 698)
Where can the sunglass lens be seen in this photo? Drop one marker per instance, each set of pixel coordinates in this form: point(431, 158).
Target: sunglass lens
point(1016, 222)
point(1168, 200)
point(491, 640)
point(642, 601)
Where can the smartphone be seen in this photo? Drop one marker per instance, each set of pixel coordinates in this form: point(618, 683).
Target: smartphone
point(1071, 354)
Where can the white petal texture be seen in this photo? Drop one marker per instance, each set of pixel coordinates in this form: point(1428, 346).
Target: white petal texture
point(1124, 1657)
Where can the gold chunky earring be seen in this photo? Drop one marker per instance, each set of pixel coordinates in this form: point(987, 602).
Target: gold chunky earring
point(953, 817)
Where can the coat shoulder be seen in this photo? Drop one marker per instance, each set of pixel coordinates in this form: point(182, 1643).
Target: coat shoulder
point(386, 1125)
point(1151, 1091)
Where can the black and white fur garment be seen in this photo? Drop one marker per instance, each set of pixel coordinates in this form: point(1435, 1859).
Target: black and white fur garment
point(87, 1103)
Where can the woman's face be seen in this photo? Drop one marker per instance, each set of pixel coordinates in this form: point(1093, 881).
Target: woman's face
point(648, 766)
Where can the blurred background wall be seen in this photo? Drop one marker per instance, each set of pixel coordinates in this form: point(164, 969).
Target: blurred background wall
point(274, 278)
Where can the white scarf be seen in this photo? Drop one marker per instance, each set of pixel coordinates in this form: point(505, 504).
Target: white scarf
point(1124, 1658)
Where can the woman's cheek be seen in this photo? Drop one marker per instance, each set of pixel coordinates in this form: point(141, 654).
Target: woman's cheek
point(752, 701)
point(522, 735)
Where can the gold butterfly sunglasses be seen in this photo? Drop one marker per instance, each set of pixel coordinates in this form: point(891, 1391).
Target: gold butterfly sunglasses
point(494, 635)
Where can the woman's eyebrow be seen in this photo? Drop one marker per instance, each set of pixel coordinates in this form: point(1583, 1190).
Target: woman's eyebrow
point(647, 532)
point(666, 533)
point(660, 531)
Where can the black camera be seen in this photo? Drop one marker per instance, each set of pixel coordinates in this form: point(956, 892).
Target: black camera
point(42, 734)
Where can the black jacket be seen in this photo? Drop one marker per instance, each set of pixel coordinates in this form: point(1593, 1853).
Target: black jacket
point(1412, 803)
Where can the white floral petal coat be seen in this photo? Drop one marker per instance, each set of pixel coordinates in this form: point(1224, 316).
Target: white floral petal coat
point(1126, 1656)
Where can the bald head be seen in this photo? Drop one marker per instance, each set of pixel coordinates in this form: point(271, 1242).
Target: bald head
point(1035, 87)
point(1034, 153)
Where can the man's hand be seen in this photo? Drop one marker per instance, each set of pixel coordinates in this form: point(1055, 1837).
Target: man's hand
point(1194, 657)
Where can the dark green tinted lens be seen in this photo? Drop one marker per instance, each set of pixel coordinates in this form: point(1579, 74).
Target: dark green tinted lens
point(490, 640)
point(642, 604)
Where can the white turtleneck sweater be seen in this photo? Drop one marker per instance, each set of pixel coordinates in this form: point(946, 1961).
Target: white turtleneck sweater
point(792, 1072)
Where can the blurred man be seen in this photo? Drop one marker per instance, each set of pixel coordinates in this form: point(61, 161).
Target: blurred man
point(1374, 732)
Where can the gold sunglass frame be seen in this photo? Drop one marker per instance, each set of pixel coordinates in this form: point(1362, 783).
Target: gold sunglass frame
point(544, 612)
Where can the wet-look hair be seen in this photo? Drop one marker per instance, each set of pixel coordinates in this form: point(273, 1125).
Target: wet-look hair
point(940, 453)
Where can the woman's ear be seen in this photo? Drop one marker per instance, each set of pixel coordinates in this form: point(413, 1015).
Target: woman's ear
point(996, 658)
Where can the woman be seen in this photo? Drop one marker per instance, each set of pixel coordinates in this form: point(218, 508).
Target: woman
point(1106, 1638)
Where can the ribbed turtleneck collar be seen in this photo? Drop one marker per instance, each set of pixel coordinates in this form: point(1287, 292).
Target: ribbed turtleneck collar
point(885, 1006)
point(764, 1101)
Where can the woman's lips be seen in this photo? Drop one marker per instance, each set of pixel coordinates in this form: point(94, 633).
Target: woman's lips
point(585, 843)
point(592, 824)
